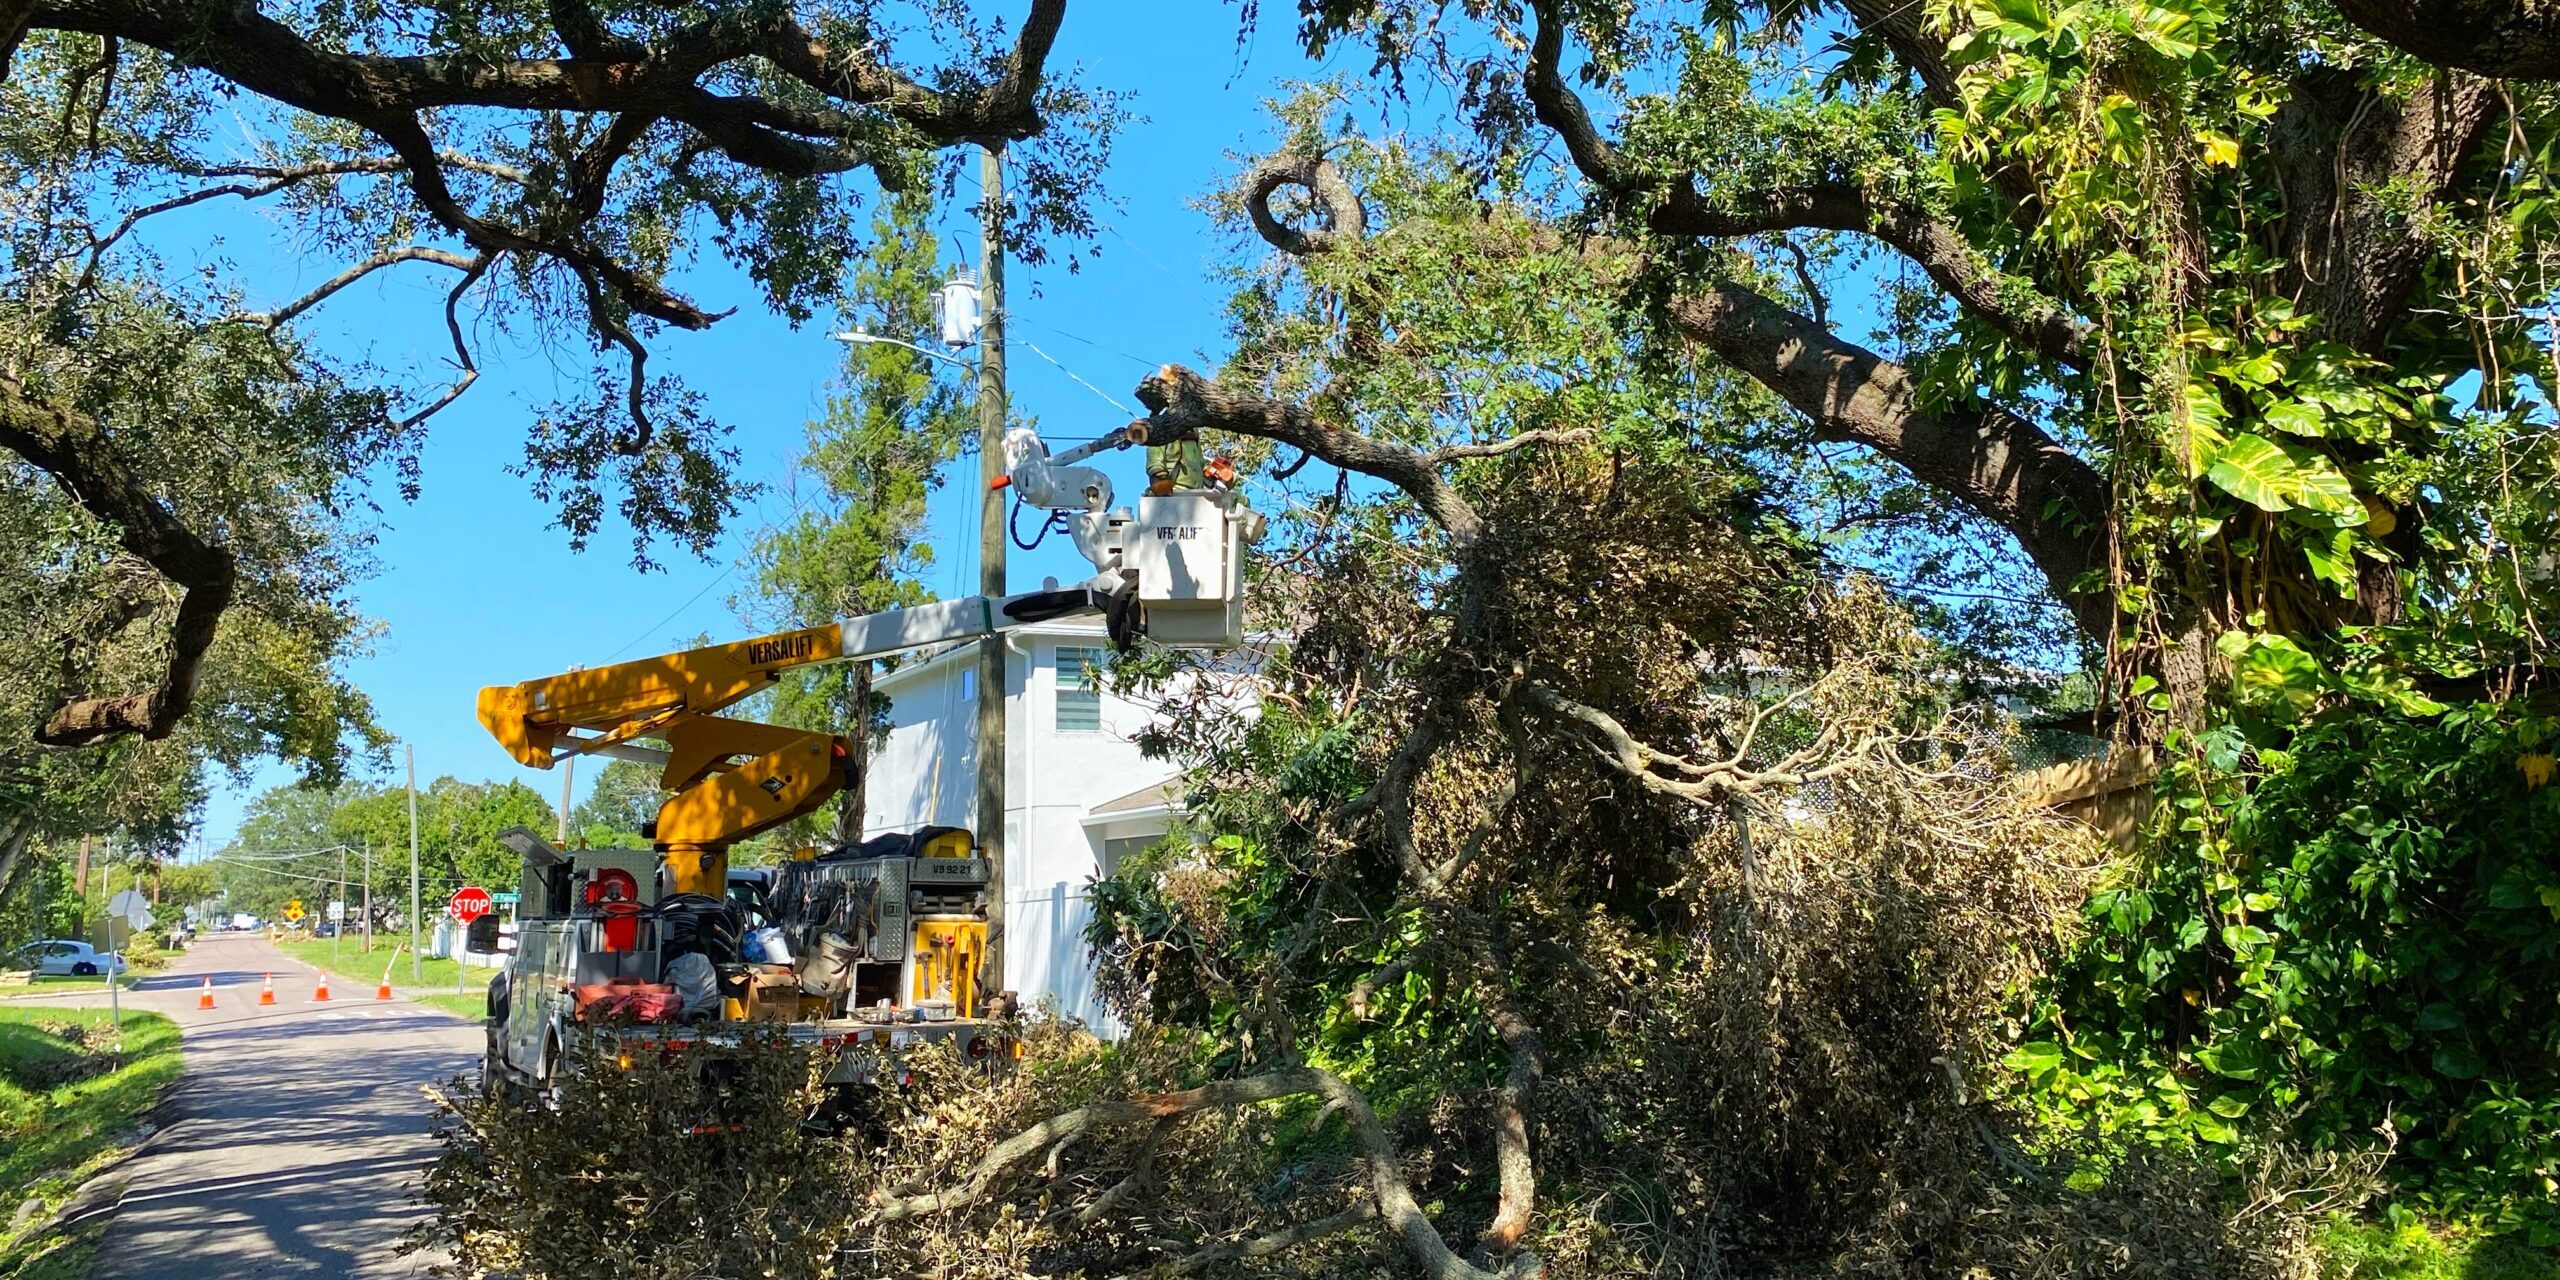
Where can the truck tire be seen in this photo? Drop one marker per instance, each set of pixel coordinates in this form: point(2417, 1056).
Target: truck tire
point(493, 1063)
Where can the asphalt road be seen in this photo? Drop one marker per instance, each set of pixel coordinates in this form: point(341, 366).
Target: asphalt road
point(300, 1129)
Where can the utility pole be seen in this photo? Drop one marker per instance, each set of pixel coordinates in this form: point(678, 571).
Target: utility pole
point(991, 540)
point(338, 918)
point(414, 977)
point(115, 1005)
point(368, 895)
point(568, 775)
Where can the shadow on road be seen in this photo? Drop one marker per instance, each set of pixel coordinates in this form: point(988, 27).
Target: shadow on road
point(302, 1130)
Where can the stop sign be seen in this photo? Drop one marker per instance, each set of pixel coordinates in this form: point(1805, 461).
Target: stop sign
point(470, 902)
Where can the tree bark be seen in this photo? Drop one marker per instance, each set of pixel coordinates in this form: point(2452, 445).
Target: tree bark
point(2004, 467)
point(74, 449)
point(14, 17)
point(2360, 171)
point(2509, 39)
point(853, 801)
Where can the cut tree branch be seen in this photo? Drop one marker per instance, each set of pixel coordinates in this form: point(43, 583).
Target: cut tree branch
point(1180, 401)
point(1278, 1242)
point(1393, 1195)
point(1707, 785)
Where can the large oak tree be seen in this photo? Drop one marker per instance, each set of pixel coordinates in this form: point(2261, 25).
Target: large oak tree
point(557, 161)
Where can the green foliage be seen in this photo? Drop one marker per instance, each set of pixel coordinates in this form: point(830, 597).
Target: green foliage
point(290, 840)
point(68, 1104)
point(623, 802)
point(2404, 1250)
point(2365, 956)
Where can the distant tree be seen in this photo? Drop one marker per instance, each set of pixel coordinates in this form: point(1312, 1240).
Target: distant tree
point(622, 805)
point(855, 543)
point(293, 836)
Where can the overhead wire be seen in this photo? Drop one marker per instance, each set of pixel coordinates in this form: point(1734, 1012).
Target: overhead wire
point(1079, 378)
point(674, 614)
point(1077, 337)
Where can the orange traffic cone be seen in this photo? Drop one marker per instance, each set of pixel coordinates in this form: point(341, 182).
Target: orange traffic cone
point(382, 992)
point(267, 994)
point(204, 1000)
point(323, 992)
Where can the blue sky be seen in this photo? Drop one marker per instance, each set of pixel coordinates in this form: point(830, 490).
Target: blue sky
point(475, 587)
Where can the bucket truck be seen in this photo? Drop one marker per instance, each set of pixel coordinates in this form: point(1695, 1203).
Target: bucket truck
point(877, 943)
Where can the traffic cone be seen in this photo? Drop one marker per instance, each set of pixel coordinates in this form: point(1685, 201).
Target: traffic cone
point(267, 993)
point(323, 992)
point(382, 992)
point(204, 1000)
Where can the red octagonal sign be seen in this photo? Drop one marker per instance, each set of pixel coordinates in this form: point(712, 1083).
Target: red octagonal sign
point(470, 902)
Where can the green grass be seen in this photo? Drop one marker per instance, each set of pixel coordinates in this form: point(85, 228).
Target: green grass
point(2353, 1250)
point(360, 972)
point(129, 979)
point(66, 1110)
point(470, 1004)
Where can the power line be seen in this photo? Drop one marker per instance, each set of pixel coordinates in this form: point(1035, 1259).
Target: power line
point(1188, 286)
point(1077, 337)
point(652, 628)
point(1053, 360)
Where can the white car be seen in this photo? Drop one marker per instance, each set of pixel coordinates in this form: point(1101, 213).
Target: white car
point(64, 957)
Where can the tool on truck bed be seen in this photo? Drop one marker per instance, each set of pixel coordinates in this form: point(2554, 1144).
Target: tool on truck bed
point(893, 926)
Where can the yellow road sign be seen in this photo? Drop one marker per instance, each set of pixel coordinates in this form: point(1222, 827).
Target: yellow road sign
point(293, 909)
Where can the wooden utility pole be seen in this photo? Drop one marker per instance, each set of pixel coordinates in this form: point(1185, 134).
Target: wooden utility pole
point(413, 865)
point(80, 873)
point(991, 540)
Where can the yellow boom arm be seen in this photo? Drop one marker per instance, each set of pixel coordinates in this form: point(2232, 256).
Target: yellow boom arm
point(730, 779)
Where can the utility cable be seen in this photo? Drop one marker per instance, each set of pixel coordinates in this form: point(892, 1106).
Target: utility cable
point(1053, 360)
point(1077, 337)
point(678, 612)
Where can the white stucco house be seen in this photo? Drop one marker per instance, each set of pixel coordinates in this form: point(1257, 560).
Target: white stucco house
point(1078, 795)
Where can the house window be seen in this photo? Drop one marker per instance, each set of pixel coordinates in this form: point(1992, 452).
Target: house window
point(1080, 689)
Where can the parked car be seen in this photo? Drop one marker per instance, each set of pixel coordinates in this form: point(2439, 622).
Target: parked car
point(62, 956)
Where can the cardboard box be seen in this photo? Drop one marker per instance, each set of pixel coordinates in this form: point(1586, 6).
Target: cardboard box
point(773, 997)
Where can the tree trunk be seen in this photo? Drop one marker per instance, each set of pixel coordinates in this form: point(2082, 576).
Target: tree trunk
point(14, 16)
point(14, 833)
point(2510, 39)
point(853, 800)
